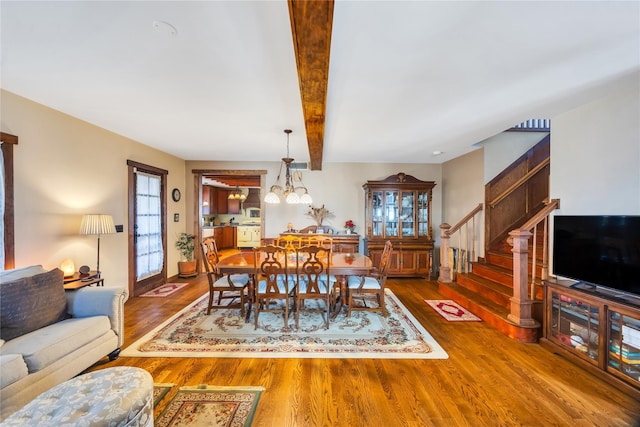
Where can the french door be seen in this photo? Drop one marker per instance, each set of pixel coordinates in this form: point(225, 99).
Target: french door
point(147, 227)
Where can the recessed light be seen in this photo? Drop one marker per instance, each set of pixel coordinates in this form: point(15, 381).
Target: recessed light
point(438, 152)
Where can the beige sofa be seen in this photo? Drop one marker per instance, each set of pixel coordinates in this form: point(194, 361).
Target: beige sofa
point(49, 335)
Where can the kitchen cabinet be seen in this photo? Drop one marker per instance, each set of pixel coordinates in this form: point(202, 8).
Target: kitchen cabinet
point(398, 209)
point(595, 328)
point(220, 203)
point(225, 237)
point(206, 199)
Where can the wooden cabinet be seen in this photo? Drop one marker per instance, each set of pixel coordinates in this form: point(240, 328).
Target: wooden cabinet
point(225, 237)
point(206, 199)
point(220, 203)
point(597, 329)
point(398, 209)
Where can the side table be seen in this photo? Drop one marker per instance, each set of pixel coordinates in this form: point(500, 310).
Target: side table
point(78, 280)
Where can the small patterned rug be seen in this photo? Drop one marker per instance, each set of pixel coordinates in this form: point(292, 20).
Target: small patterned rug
point(164, 290)
point(160, 390)
point(452, 311)
point(224, 333)
point(211, 406)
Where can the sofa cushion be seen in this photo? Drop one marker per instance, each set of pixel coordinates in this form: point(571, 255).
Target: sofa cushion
point(19, 273)
point(44, 346)
point(30, 303)
point(12, 368)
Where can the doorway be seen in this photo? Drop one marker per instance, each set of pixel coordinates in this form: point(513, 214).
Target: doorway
point(147, 227)
point(229, 179)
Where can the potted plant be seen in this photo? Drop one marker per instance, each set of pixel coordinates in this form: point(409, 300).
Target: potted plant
point(186, 244)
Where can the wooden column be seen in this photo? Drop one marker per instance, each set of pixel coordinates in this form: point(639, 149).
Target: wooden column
point(520, 302)
point(8, 141)
point(445, 269)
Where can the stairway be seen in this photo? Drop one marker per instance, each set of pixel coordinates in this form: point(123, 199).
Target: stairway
point(487, 290)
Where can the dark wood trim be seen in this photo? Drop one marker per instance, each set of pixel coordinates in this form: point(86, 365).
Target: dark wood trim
point(137, 288)
point(8, 141)
point(311, 25)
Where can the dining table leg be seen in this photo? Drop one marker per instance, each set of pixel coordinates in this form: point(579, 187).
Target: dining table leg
point(342, 295)
point(251, 298)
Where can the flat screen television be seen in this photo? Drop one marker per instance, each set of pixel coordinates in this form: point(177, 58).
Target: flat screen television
point(598, 250)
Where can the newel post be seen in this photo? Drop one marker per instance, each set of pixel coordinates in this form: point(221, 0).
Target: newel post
point(445, 270)
point(520, 302)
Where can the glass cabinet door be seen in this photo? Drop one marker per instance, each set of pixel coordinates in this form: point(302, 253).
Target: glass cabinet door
point(407, 214)
point(377, 213)
point(423, 214)
point(574, 324)
point(624, 345)
point(391, 211)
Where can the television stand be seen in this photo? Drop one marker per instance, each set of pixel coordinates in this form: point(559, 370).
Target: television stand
point(596, 328)
point(608, 293)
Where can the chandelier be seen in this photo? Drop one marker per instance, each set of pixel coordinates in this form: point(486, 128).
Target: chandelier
point(237, 194)
point(288, 191)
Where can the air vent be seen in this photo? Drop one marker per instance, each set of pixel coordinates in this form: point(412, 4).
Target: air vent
point(301, 166)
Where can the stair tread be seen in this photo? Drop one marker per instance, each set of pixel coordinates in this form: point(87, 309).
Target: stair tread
point(487, 304)
point(505, 271)
point(488, 283)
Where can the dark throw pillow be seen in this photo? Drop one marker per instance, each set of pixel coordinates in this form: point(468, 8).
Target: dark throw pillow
point(31, 303)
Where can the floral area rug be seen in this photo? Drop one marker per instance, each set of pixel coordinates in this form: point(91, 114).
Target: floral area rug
point(164, 290)
point(223, 333)
point(211, 406)
point(452, 311)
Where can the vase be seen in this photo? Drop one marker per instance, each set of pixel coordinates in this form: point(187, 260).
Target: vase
point(348, 231)
point(186, 268)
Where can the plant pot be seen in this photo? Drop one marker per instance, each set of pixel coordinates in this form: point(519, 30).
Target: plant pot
point(186, 268)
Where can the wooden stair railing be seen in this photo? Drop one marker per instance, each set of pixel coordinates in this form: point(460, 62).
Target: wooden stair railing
point(469, 240)
point(521, 302)
point(516, 193)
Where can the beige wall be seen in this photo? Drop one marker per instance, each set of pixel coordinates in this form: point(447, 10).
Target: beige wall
point(64, 168)
point(595, 156)
point(462, 191)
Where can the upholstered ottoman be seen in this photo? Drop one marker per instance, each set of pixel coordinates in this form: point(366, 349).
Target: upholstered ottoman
point(120, 396)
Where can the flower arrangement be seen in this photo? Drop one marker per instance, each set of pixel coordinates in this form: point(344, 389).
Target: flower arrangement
point(349, 225)
point(319, 214)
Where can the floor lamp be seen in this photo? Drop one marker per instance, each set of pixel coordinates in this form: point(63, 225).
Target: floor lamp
point(97, 225)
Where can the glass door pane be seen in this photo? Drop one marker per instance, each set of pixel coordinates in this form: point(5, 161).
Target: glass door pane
point(377, 213)
point(423, 214)
point(148, 242)
point(407, 214)
point(624, 345)
point(391, 212)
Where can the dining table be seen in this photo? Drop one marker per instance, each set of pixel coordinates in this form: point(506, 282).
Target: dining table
point(341, 266)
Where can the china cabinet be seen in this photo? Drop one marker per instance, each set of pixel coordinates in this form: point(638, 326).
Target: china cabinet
point(597, 328)
point(398, 209)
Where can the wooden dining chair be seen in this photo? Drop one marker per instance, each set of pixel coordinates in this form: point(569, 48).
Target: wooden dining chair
point(313, 272)
point(289, 242)
point(272, 281)
point(230, 286)
point(325, 243)
point(372, 285)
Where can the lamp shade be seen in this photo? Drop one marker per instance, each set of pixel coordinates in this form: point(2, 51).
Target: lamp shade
point(97, 224)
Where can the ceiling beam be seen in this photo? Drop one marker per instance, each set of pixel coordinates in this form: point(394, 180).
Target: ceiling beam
point(311, 23)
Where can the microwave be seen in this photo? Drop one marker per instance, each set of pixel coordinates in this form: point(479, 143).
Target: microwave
point(253, 212)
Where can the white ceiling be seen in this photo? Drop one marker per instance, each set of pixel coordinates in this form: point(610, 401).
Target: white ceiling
point(405, 78)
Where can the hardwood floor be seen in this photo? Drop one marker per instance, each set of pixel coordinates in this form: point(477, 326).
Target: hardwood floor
point(488, 380)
